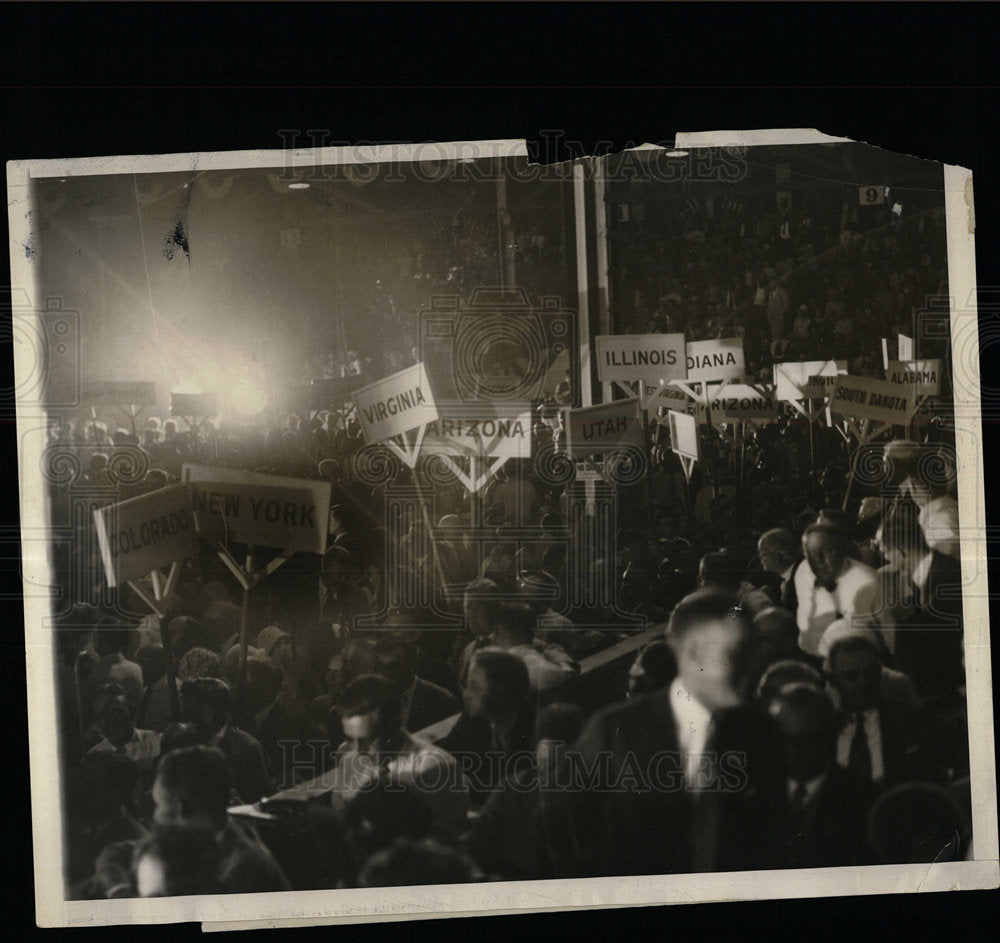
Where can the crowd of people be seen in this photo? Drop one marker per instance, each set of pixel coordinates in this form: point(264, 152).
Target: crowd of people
point(788, 275)
point(799, 701)
point(759, 666)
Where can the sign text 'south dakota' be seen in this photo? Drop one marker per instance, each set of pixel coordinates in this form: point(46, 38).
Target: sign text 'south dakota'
point(865, 398)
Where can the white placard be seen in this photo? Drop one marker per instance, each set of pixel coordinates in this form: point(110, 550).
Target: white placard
point(806, 379)
point(736, 402)
point(145, 533)
point(395, 404)
point(865, 398)
point(602, 428)
point(715, 360)
point(684, 434)
point(471, 431)
point(262, 510)
point(646, 357)
point(923, 376)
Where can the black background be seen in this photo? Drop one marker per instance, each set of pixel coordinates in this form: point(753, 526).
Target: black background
point(89, 80)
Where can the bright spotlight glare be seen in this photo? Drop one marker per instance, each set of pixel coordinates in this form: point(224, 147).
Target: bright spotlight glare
point(248, 400)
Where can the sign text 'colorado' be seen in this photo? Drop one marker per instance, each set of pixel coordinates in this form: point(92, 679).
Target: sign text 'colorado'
point(145, 533)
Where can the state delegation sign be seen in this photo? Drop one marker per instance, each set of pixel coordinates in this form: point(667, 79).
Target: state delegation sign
point(396, 404)
point(806, 379)
point(645, 357)
point(715, 360)
point(738, 402)
point(877, 400)
point(604, 428)
point(922, 376)
point(472, 432)
point(143, 534)
point(261, 510)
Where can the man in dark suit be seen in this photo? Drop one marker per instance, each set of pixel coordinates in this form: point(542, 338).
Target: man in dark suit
point(664, 783)
point(192, 790)
point(828, 804)
point(207, 703)
point(495, 735)
point(423, 703)
point(268, 721)
point(780, 551)
point(881, 738)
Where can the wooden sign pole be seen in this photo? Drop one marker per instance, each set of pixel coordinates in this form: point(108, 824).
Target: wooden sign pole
point(159, 603)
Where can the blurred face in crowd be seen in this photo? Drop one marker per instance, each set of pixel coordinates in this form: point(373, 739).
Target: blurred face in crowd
point(807, 751)
point(477, 618)
point(360, 726)
point(150, 877)
point(825, 553)
point(710, 663)
point(115, 720)
point(171, 809)
point(770, 559)
point(481, 698)
point(856, 673)
point(395, 667)
point(282, 655)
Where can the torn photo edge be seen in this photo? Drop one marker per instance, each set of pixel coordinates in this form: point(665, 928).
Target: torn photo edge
point(508, 897)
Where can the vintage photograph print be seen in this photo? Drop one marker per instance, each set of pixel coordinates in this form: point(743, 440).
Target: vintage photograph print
point(417, 529)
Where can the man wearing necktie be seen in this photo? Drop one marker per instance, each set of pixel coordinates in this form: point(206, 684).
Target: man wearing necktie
point(880, 738)
point(829, 585)
point(675, 781)
point(828, 804)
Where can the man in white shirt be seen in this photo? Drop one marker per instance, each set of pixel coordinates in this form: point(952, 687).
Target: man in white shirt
point(938, 516)
point(829, 585)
